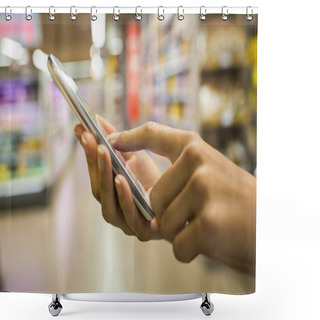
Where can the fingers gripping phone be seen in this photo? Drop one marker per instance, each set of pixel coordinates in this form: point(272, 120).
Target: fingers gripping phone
point(89, 120)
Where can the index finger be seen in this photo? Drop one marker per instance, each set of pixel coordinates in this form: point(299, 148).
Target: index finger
point(160, 139)
point(108, 127)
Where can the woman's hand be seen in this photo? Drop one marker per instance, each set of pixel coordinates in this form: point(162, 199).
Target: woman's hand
point(204, 203)
point(114, 193)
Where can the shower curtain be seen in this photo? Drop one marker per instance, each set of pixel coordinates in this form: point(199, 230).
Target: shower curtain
point(175, 70)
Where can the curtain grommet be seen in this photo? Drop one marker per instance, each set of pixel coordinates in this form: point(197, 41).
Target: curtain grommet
point(224, 13)
point(249, 16)
point(203, 13)
point(116, 16)
point(160, 16)
point(51, 13)
point(138, 16)
point(28, 12)
point(8, 17)
point(93, 17)
point(73, 15)
point(180, 13)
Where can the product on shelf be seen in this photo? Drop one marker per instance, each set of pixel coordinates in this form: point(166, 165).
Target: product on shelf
point(21, 138)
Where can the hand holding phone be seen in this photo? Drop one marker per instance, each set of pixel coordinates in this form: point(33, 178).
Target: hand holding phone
point(89, 120)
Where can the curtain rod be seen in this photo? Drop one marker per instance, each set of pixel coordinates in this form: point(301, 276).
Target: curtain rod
point(181, 10)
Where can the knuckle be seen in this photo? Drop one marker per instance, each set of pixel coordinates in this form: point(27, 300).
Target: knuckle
point(142, 237)
point(192, 136)
point(95, 191)
point(193, 154)
point(180, 254)
point(96, 195)
point(150, 126)
point(105, 217)
point(142, 233)
point(177, 251)
point(108, 217)
point(198, 181)
point(127, 232)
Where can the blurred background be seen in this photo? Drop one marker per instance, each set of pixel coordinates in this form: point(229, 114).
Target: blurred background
point(191, 74)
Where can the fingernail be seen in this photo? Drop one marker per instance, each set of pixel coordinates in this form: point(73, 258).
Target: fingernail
point(100, 159)
point(113, 137)
point(85, 144)
point(118, 185)
point(99, 118)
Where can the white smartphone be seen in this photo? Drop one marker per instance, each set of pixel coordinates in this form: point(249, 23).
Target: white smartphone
point(89, 120)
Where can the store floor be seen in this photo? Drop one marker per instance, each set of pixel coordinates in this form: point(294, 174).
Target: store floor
point(67, 247)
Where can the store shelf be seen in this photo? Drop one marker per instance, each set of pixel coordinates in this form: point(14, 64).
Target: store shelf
point(172, 67)
point(35, 137)
point(22, 186)
point(222, 71)
point(227, 96)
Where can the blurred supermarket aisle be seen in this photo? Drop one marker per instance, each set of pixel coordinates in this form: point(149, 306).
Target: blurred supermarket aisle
point(201, 78)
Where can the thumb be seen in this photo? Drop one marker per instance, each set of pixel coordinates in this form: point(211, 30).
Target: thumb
point(160, 139)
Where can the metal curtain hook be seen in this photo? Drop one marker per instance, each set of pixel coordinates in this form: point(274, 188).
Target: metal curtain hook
point(73, 16)
point(116, 16)
point(224, 13)
point(28, 11)
point(160, 16)
point(7, 16)
point(180, 16)
point(203, 13)
point(93, 17)
point(51, 11)
point(249, 16)
point(138, 16)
